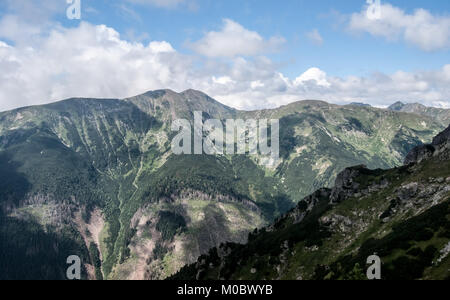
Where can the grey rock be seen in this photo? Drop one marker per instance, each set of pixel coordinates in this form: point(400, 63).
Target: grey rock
point(423, 152)
point(345, 186)
point(443, 137)
point(419, 154)
point(408, 191)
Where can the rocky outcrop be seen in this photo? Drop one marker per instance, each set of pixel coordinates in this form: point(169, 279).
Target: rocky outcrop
point(305, 206)
point(345, 186)
point(443, 137)
point(419, 154)
point(440, 144)
point(417, 196)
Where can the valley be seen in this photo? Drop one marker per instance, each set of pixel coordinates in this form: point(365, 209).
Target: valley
point(96, 178)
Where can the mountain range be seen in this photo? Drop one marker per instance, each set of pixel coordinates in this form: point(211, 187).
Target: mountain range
point(401, 215)
point(438, 114)
point(96, 178)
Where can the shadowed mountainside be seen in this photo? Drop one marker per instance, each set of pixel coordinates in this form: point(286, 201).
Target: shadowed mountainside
point(401, 215)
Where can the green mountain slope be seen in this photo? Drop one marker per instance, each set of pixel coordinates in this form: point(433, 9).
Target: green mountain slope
point(319, 140)
point(98, 176)
point(438, 114)
point(402, 215)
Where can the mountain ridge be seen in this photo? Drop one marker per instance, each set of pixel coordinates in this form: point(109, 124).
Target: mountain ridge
point(440, 114)
point(111, 159)
point(156, 94)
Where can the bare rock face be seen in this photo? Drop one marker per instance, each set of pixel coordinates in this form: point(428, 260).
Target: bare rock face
point(307, 205)
point(345, 185)
point(420, 153)
point(408, 191)
point(443, 137)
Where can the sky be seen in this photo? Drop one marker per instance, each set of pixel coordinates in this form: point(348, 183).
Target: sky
point(248, 54)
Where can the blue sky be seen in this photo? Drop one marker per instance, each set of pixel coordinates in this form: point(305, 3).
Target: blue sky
point(306, 49)
point(341, 53)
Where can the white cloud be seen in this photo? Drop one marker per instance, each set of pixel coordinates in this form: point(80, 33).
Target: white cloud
point(314, 75)
point(88, 61)
point(95, 61)
point(224, 80)
point(24, 21)
point(315, 37)
point(234, 40)
point(256, 84)
point(431, 88)
point(422, 29)
point(161, 47)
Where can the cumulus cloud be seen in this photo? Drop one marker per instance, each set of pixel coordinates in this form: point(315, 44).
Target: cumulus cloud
point(94, 61)
point(422, 29)
point(234, 40)
point(314, 76)
point(250, 84)
point(45, 63)
point(88, 61)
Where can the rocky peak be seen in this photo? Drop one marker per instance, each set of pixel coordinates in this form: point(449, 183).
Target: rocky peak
point(159, 93)
point(408, 107)
point(194, 93)
point(397, 106)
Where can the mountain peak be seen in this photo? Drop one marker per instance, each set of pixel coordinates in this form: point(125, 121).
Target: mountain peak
point(193, 92)
point(159, 93)
point(407, 107)
point(397, 106)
